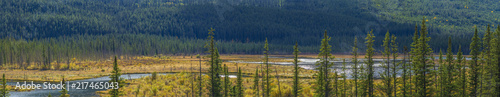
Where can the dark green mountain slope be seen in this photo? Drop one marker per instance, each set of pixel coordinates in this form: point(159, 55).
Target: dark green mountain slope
point(450, 17)
point(245, 21)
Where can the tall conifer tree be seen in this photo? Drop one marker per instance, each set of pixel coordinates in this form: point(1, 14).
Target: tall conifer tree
point(256, 82)
point(115, 78)
point(239, 84)
point(4, 92)
point(487, 67)
point(262, 83)
point(266, 62)
point(413, 54)
point(226, 81)
point(336, 91)
point(296, 83)
point(474, 64)
point(450, 71)
point(463, 79)
point(394, 49)
point(355, 61)
point(442, 75)
point(363, 78)
point(344, 79)
point(369, 62)
point(214, 69)
point(405, 87)
point(63, 92)
point(422, 64)
point(496, 60)
point(322, 79)
point(386, 76)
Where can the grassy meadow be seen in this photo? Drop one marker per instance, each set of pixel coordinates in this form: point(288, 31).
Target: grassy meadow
point(186, 71)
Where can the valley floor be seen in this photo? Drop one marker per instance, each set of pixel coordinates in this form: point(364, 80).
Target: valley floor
point(179, 83)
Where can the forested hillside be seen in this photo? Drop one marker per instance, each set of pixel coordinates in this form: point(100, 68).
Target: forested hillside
point(450, 17)
point(246, 21)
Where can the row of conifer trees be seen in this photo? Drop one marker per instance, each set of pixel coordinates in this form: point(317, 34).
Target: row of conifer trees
point(421, 75)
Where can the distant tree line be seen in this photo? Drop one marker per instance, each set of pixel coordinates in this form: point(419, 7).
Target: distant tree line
point(50, 53)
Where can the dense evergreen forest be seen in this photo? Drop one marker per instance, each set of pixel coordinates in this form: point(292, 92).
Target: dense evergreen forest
point(99, 47)
point(240, 22)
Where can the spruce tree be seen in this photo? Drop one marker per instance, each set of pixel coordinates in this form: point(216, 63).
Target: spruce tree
point(355, 73)
point(262, 85)
point(239, 84)
point(422, 64)
point(442, 76)
point(322, 77)
point(363, 78)
point(214, 63)
point(394, 49)
point(266, 62)
point(217, 70)
point(234, 91)
point(4, 91)
point(154, 76)
point(344, 79)
point(369, 62)
point(386, 78)
point(226, 81)
point(335, 84)
point(405, 87)
point(463, 79)
point(434, 72)
point(64, 92)
point(450, 71)
point(296, 83)
point(115, 78)
point(413, 54)
point(474, 64)
point(256, 82)
point(495, 53)
point(487, 76)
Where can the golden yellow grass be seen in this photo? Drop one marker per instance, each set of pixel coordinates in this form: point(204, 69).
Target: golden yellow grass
point(142, 64)
point(149, 64)
point(180, 84)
